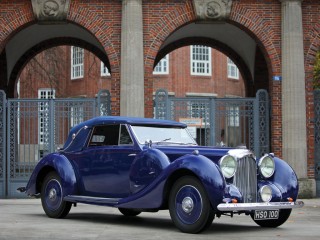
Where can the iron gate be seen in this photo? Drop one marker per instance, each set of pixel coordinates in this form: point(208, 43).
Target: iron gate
point(221, 121)
point(317, 139)
point(36, 127)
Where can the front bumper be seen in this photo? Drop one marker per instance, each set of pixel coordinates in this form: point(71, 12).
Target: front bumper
point(232, 207)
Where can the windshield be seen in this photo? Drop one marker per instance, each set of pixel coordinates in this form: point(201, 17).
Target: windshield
point(163, 135)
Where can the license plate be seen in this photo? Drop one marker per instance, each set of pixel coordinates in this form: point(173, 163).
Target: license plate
point(266, 214)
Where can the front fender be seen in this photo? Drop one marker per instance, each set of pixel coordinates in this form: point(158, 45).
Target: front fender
point(153, 196)
point(285, 179)
point(53, 162)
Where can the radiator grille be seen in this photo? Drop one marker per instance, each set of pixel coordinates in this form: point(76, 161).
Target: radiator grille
point(246, 179)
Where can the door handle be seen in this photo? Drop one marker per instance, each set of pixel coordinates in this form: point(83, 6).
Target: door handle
point(132, 155)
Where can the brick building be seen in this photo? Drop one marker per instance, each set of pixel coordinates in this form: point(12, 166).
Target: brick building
point(56, 70)
point(273, 43)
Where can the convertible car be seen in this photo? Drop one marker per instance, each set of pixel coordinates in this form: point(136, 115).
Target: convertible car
point(145, 165)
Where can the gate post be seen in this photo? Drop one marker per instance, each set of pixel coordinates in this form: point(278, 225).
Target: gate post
point(212, 118)
point(261, 123)
point(2, 143)
point(317, 139)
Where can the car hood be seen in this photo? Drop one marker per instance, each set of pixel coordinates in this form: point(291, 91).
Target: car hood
point(174, 152)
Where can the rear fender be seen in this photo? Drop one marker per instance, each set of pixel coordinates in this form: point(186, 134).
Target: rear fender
point(53, 162)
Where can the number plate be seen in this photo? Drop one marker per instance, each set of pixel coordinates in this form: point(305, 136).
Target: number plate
point(266, 214)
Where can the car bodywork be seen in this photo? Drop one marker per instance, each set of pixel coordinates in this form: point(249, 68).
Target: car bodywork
point(121, 162)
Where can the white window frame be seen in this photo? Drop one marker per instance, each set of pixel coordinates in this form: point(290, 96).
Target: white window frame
point(233, 71)
point(77, 62)
point(163, 66)
point(43, 118)
point(104, 70)
point(200, 63)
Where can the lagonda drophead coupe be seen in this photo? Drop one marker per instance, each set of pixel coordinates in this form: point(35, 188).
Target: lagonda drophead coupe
point(145, 165)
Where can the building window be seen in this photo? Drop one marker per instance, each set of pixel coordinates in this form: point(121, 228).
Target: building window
point(104, 70)
point(162, 66)
point(77, 56)
point(200, 60)
point(43, 124)
point(233, 71)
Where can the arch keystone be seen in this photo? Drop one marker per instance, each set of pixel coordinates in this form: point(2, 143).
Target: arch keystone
point(212, 9)
point(49, 11)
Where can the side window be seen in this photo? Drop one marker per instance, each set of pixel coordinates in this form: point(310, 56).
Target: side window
point(105, 135)
point(125, 138)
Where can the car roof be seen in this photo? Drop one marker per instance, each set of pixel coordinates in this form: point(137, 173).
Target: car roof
point(129, 120)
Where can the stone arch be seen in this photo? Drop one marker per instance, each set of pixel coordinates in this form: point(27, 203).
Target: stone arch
point(24, 59)
point(243, 68)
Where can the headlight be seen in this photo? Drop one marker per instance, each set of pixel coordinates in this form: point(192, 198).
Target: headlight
point(266, 193)
point(266, 166)
point(228, 165)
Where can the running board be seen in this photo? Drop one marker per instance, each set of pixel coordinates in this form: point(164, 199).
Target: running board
point(92, 200)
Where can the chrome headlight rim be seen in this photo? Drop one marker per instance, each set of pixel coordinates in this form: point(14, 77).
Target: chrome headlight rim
point(228, 165)
point(266, 166)
point(265, 193)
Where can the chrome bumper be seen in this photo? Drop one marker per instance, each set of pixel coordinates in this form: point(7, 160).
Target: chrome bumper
point(230, 207)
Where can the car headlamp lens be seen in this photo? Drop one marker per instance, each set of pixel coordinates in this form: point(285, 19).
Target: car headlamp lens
point(266, 193)
point(266, 166)
point(228, 165)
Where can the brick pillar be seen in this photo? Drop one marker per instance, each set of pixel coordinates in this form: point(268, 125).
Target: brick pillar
point(132, 70)
point(294, 133)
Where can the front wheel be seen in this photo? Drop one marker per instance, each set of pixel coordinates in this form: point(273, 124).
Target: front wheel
point(52, 197)
point(284, 214)
point(189, 206)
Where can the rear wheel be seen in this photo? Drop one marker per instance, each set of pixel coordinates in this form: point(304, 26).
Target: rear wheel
point(284, 214)
point(129, 212)
point(189, 206)
point(52, 197)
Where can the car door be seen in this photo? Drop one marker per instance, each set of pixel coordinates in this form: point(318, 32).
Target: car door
point(105, 164)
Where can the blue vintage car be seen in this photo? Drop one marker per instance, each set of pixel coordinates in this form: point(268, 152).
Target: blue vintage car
point(145, 165)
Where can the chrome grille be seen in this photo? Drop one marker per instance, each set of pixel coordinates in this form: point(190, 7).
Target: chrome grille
point(245, 179)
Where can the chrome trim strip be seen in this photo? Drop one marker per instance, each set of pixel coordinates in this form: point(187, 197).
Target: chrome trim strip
point(89, 199)
point(227, 207)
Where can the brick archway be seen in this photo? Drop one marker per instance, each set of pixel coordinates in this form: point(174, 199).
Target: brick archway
point(24, 59)
point(107, 31)
point(264, 31)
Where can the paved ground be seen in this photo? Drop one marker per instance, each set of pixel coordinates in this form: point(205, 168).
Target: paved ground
point(25, 219)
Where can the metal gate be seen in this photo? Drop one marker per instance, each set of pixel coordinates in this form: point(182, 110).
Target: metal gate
point(36, 127)
point(317, 139)
point(221, 121)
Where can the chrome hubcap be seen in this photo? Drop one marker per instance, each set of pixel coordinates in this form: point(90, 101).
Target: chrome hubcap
point(52, 194)
point(187, 205)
